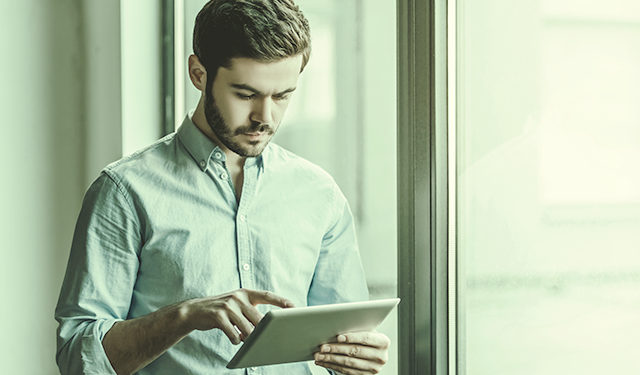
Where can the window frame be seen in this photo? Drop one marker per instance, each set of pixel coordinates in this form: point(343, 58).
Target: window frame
point(423, 188)
point(168, 102)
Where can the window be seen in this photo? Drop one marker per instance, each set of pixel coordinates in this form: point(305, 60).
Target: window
point(519, 132)
point(548, 187)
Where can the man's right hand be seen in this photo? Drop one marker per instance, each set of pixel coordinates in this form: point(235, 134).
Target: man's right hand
point(132, 344)
point(231, 310)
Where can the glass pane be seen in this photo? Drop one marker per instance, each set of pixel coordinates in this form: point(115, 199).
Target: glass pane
point(549, 186)
point(343, 118)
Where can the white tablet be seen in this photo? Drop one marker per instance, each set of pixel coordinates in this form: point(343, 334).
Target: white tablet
point(294, 334)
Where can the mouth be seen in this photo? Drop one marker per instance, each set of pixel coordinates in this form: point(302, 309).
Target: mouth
point(255, 135)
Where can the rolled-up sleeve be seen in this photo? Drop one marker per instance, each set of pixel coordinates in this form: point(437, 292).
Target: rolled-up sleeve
point(100, 277)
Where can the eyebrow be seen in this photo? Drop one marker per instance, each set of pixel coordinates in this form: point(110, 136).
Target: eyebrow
point(242, 86)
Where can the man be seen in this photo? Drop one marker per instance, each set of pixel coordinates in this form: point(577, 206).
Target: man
point(182, 247)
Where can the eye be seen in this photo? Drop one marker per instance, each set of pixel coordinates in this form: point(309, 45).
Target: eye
point(281, 96)
point(243, 96)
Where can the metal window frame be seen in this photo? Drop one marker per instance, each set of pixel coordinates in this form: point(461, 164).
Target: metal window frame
point(168, 67)
point(423, 188)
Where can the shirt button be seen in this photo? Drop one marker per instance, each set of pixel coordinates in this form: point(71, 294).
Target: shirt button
point(254, 368)
point(218, 155)
point(243, 218)
point(246, 267)
point(224, 176)
point(202, 163)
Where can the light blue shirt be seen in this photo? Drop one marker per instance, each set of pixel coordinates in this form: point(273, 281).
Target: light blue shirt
point(164, 225)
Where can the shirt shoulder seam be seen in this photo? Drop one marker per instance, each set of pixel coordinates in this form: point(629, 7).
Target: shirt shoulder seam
point(113, 176)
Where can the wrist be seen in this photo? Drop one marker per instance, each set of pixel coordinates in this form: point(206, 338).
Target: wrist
point(183, 317)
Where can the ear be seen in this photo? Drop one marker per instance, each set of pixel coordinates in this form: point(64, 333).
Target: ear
point(197, 73)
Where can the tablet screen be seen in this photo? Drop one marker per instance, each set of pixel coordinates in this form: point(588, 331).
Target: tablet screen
point(293, 335)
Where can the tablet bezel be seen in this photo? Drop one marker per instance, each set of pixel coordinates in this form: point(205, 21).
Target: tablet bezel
point(294, 334)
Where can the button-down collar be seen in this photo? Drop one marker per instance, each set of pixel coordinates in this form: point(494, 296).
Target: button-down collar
point(202, 149)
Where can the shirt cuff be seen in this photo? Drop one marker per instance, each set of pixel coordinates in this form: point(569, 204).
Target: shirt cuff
point(94, 359)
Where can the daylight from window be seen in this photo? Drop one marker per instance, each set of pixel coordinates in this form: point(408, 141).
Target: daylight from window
point(548, 124)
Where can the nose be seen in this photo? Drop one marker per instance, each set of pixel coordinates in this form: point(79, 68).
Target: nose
point(261, 111)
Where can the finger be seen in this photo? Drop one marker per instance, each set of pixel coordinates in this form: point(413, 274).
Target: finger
point(265, 297)
point(251, 314)
point(229, 330)
point(347, 365)
point(241, 299)
point(376, 355)
point(244, 324)
point(372, 339)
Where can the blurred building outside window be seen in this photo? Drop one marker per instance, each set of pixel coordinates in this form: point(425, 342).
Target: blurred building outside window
point(548, 198)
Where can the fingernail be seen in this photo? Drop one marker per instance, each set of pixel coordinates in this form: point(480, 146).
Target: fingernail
point(325, 349)
point(342, 338)
point(319, 357)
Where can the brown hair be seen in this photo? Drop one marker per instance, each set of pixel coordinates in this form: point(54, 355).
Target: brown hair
point(263, 30)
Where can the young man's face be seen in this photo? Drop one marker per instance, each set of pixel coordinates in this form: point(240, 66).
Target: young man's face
point(247, 102)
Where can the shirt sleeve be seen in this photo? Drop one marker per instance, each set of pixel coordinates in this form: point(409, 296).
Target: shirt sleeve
point(339, 276)
point(101, 273)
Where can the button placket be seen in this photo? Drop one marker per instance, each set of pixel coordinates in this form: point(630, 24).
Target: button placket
point(243, 224)
point(219, 172)
point(244, 251)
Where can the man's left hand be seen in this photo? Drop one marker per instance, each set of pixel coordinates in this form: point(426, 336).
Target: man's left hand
point(355, 353)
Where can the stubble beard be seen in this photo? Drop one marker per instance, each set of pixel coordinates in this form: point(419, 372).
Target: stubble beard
point(224, 134)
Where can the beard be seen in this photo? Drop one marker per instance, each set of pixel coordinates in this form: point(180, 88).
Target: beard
point(227, 137)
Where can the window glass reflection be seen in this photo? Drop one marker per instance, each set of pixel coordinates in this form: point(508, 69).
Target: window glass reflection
point(549, 195)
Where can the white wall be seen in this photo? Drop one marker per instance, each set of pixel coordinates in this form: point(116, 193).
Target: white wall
point(140, 26)
point(60, 105)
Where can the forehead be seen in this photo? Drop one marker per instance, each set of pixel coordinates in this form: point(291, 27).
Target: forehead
point(267, 77)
